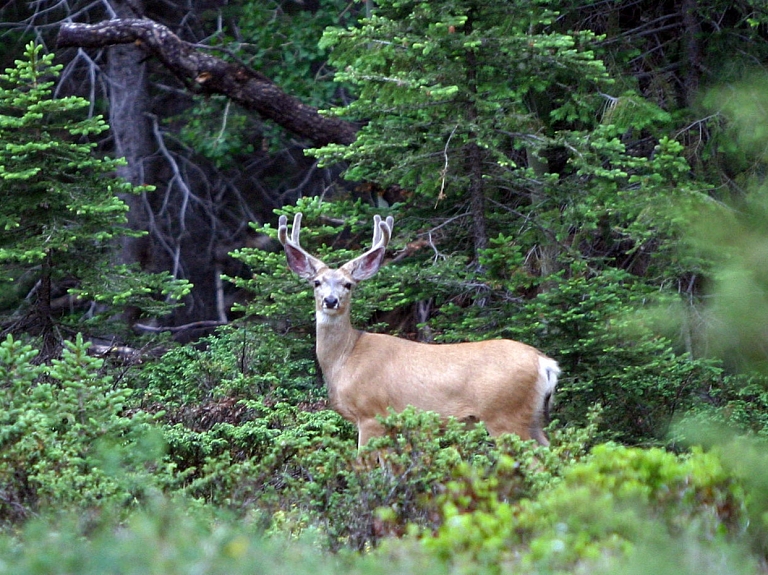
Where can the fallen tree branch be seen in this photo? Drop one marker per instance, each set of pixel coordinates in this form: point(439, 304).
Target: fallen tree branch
point(203, 73)
point(124, 354)
point(203, 324)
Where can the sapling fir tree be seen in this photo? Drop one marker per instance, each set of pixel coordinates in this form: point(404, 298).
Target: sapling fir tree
point(60, 211)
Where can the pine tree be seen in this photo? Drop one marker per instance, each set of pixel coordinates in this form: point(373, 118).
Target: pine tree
point(59, 204)
point(459, 96)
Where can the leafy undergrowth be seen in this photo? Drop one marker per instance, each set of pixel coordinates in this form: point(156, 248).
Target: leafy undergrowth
point(90, 483)
point(626, 510)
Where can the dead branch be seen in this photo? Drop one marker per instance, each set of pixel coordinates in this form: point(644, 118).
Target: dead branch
point(175, 329)
point(203, 73)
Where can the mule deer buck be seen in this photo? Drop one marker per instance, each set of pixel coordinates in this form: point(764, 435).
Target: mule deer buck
point(504, 383)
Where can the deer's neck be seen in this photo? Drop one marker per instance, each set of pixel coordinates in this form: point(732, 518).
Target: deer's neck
point(335, 340)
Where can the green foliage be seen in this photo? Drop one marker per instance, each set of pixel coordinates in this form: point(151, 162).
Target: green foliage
point(282, 44)
point(60, 211)
point(640, 379)
point(738, 403)
point(392, 486)
point(166, 538)
point(619, 510)
point(433, 79)
point(603, 510)
point(279, 39)
point(252, 361)
point(121, 286)
point(746, 461)
point(637, 207)
point(265, 465)
point(735, 236)
point(66, 441)
point(303, 471)
point(56, 195)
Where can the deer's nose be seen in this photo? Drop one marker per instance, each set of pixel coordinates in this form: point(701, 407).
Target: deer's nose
point(331, 302)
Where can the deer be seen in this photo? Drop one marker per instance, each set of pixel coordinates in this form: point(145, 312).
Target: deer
point(506, 384)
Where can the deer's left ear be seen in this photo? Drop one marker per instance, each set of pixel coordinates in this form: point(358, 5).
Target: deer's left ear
point(366, 265)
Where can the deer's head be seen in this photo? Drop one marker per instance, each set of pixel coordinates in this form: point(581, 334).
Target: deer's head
point(333, 287)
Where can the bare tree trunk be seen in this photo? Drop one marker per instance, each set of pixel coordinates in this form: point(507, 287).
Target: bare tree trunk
point(128, 107)
point(477, 198)
point(694, 57)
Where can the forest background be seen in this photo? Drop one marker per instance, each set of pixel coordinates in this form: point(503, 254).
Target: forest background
point(586, 177)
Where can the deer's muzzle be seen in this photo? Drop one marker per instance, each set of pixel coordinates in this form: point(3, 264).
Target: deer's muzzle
point(331, 302)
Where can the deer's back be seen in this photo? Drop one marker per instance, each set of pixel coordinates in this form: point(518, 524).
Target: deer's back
point(468, 380)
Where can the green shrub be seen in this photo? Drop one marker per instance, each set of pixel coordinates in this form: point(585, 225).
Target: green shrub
point(248, 362)
point(250, 464)
point(737, 402)
point(395, 484)
point(169, 538)
point(605, 508)
point(65, 439)
point(296, 471)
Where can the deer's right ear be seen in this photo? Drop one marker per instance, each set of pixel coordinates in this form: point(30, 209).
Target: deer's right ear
point(301, 263)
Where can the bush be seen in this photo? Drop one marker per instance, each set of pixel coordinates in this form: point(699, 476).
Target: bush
point(65, 439)
point(296, 471)
point(249, 362)
point(166, 538)
point(605, 509)
point(394, 485)
point(737, 402)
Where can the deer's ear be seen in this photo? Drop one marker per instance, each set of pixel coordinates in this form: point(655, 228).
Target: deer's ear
point(366, 265)
point(301, 262)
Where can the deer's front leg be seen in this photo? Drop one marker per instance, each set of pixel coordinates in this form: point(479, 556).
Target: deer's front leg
point(366, 429)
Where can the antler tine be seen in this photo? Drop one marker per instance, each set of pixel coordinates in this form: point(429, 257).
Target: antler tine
point(376, 229)
point(282, 229)
point(296, 228)
point(382, 230)
point(390, 224)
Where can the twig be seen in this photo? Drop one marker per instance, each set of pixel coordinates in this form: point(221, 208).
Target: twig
point(444, 171)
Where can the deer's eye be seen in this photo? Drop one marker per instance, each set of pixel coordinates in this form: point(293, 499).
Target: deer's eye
point(316, 283)
point(348, 285)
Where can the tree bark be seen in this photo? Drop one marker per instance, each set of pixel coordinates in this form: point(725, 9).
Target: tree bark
point(49, 341)
point(128, 107)
point(477, 198)
point(207, 74)
point(474, 158)
point(693, 50)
